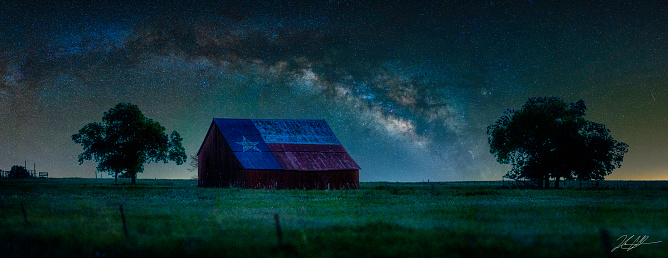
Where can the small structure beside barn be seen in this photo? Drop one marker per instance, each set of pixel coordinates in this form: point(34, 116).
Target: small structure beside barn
point(274, 154)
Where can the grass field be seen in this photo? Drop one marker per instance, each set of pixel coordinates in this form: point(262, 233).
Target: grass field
point(175, 218)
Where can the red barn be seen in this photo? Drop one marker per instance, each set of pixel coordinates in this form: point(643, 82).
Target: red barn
point(275, 154)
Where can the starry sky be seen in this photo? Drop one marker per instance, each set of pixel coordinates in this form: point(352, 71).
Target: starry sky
point(409, 87)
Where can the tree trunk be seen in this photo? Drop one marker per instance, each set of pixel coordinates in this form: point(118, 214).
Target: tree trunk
point(556, 182)
point(115, 177)
point(134, 178)
point(546, 178)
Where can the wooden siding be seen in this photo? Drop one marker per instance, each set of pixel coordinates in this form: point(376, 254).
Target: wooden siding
point(312, 157)
point(291, 179)
point(217, 166)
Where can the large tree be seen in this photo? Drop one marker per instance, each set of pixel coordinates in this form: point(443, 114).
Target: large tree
point(125, 140)
point(549, 138)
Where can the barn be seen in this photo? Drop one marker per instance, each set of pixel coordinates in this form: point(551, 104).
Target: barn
point(274, 154)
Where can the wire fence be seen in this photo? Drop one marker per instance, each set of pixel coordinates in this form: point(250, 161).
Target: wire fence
point(568, 184)
point(616, 184)
point(474, 183)
point(595, 184)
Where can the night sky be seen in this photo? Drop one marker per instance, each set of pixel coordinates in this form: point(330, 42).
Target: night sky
point(409, 87)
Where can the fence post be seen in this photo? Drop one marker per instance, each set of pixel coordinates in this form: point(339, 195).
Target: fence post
point(25, 216)
point(279, 234)
point(125, 227)
point(607, 243)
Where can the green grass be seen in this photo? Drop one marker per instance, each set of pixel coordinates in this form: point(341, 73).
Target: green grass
point(174, 218)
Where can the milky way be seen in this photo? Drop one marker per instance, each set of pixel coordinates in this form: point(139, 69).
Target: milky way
point(409, 88)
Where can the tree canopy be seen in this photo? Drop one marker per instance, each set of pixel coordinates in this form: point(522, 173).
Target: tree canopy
point(125, 140)
point(550, 138)
point(18, 172)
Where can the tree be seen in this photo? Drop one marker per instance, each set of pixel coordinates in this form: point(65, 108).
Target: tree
point(193, 163)
point(18, 172)
point(125, 140)
point(549, 138)
point(193, 166)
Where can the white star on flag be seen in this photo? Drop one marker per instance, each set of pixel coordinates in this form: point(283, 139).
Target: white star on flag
point(248, 145)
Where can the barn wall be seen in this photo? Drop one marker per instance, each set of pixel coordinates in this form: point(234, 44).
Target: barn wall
point(291, 179)
point(217, 166)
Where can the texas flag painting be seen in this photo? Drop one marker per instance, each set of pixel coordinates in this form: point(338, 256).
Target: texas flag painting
point(302, 145)
point(274, 148)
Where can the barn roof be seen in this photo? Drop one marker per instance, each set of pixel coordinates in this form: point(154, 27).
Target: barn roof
point(302, 145)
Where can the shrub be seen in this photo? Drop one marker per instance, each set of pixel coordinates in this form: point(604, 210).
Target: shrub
point(18, 172)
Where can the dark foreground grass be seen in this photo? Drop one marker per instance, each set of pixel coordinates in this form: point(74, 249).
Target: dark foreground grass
point(174, 218)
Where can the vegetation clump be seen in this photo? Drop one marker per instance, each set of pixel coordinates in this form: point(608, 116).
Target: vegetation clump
point(18, 172)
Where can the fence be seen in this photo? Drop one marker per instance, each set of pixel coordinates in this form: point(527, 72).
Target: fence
point(596, 184)
point(31, 173)
point(616, 184)
point(474, 183)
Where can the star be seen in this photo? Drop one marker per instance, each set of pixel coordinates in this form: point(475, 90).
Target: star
point(399, 100)
point(248, 145)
